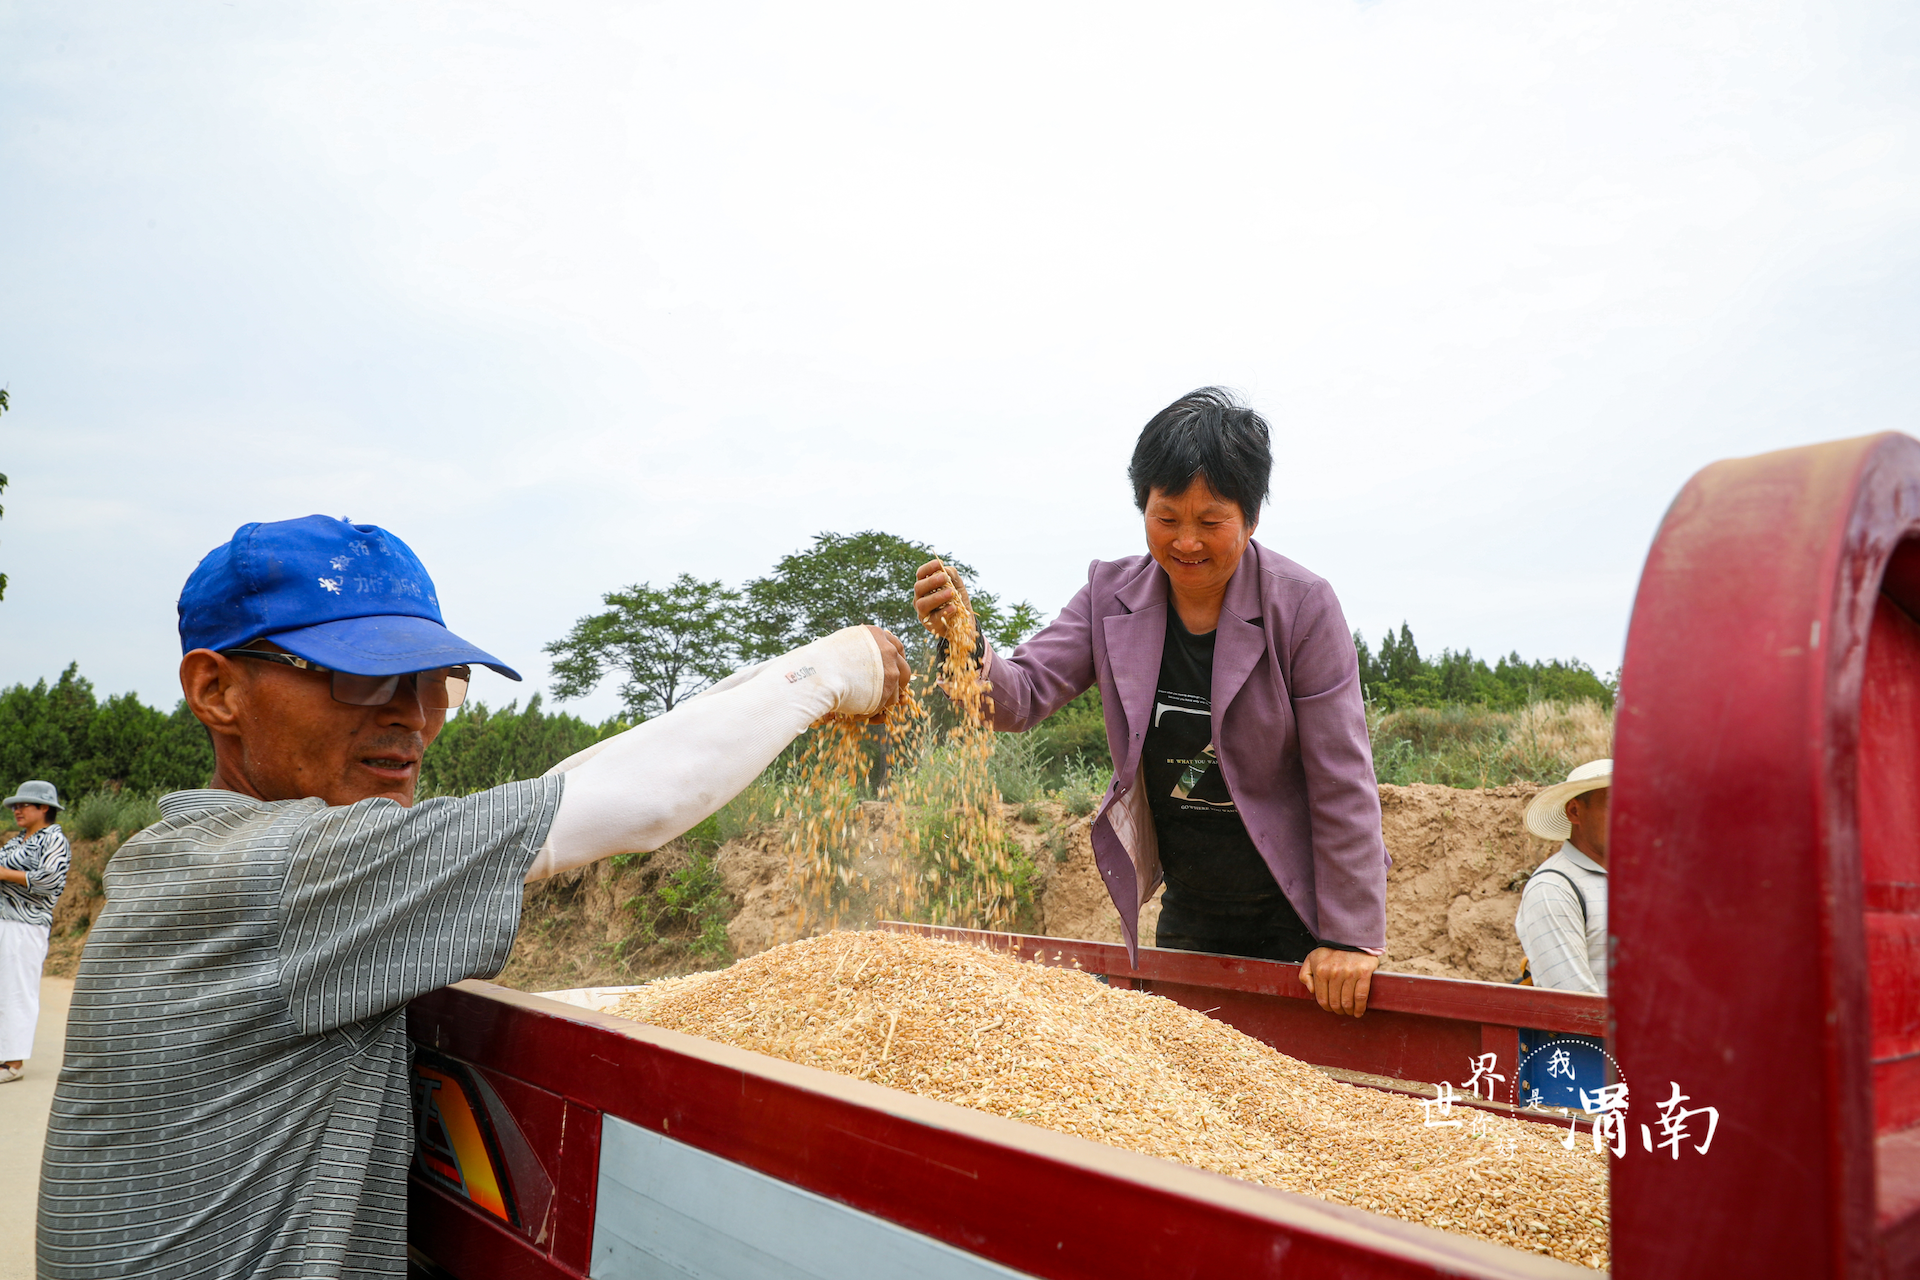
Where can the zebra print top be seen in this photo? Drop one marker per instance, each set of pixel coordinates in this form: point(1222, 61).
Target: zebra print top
point(43, 856)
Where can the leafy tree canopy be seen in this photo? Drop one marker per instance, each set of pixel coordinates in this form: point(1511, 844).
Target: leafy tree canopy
point(667, 645)
point(480, 748)
point(60, 733)
point(846, 580)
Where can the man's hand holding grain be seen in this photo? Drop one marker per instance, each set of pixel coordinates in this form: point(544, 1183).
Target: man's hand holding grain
point(893, 656)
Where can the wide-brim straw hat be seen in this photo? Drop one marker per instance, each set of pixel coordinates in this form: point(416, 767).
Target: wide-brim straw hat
point(1547, 812)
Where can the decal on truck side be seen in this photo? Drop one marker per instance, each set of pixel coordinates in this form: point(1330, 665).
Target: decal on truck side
point(455, 1145)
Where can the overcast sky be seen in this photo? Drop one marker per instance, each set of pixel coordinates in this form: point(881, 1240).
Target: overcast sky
point(572, 295)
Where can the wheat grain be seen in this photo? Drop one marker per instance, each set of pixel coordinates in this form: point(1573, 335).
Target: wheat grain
point(950, 856)
point(1054, 1047)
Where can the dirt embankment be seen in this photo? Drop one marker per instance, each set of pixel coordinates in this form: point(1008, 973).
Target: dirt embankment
point(1459, 859)
point(79, 904)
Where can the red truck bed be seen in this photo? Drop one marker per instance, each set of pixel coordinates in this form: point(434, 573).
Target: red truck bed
point(556, 1085)
point(1765, 1013)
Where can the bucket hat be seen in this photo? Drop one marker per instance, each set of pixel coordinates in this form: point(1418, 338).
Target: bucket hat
point(352, 597)
point(34, 793)
point(1547, 812)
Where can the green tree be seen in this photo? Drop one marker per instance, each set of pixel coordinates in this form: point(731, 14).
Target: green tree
point(121, 730)
point(667, 644)
point(44, 729)
point(1398, 676)
point(865, 578)
point(178, 755)
point(480, 748)
point(60, 733)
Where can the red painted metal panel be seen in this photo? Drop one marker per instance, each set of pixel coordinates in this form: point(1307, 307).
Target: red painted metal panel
point(539, 1117)
point(1896, 1095)
point(1498, 1003)
point(1897, 1174)
point(1739, 969)
point(1040, 1202)
point(576, 1185)
point(467, 1243)
point(1502, 1042)
point(1889, 808)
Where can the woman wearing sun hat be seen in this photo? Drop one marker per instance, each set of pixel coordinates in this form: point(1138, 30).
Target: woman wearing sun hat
point(33, 870)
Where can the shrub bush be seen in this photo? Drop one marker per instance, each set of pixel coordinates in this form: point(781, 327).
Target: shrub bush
point(1019, 769)
point(1083, 786)
point(1477, 747)
point(99, 814)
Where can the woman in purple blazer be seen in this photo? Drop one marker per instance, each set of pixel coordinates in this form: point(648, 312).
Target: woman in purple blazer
point(1243, 773)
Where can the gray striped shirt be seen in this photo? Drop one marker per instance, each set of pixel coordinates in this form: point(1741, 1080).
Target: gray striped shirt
point(43, 856)
point(234, 1100)
point(1566, 946)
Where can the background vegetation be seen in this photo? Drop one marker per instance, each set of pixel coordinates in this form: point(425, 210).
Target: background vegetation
point(61, 733)
point(667, 644)
point(1451, 719)
point(1398, 676)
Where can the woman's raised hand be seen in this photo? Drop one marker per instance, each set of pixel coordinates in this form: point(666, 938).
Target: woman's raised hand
point(934, 593)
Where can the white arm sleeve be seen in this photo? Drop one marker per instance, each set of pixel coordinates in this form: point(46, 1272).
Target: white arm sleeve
point(639, 789)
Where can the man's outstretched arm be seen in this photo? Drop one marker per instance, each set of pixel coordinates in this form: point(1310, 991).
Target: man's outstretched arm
point(640, 789)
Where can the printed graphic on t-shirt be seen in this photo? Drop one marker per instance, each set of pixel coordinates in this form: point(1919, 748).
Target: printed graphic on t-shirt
point(1184, 724)
point(1196, 769)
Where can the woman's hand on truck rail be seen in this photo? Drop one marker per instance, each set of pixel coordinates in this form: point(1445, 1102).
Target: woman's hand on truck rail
point(1339, 979)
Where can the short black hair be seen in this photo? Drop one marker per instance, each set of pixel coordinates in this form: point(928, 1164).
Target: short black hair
point(1209, 435)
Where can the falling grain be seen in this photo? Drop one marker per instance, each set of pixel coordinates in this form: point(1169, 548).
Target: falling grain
point(951, 855)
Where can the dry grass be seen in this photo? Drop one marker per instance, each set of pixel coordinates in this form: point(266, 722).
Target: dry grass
point(1574, 732)
point(1053, 1047)
point(1462, 746)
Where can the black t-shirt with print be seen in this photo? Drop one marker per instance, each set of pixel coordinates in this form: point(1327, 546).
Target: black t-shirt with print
point(1205, 850)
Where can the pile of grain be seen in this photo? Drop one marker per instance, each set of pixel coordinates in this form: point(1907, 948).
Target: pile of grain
point(1055, 1048)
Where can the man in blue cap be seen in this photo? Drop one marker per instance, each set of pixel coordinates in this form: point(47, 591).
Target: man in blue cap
point(234, 1100)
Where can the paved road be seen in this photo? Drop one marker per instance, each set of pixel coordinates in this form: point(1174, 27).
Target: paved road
point(23, 1126)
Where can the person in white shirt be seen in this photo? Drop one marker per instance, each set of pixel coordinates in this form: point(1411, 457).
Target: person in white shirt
point(1563, 910)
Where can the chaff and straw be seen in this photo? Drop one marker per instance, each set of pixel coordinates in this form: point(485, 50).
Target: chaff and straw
point(946, 850)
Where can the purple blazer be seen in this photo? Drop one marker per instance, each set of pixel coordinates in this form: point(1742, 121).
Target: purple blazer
point(1288, 724)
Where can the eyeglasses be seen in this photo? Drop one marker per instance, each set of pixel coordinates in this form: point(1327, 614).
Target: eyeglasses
point(441, 689)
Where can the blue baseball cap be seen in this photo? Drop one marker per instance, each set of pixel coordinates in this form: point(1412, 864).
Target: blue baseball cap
point(348, 596)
